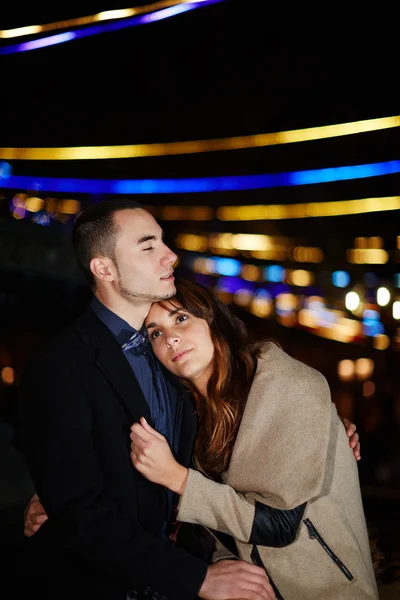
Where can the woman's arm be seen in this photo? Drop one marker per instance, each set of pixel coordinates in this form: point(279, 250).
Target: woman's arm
point(269, 526)
point(218, 506)
point(239, 515)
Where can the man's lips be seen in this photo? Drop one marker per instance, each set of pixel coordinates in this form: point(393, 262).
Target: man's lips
point(180, 355)
point(168, 276)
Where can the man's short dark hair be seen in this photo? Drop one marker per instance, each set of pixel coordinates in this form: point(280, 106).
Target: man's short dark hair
point(95, 232)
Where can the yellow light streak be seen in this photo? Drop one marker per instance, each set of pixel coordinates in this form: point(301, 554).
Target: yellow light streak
point(107, 15)
point(199, 146)
point(308, 209)
point(20, 31)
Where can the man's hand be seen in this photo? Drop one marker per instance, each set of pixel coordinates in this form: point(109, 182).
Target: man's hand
point(236, 579)
point(152, 457)
point(34, 516)
point(353, 437)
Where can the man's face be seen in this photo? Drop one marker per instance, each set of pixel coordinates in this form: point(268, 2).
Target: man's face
point(143, 261)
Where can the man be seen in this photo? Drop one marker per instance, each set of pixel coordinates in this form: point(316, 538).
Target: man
point(108, 532)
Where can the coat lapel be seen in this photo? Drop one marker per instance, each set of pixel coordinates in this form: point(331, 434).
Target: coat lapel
point(111, 361)
point(117, 371)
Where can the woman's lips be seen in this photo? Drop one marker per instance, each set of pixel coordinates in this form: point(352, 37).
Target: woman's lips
point(180, 355)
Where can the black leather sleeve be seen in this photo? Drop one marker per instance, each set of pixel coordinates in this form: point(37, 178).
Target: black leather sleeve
point(275, 528)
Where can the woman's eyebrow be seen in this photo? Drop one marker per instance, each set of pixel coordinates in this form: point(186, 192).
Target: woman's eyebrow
point(171, 313)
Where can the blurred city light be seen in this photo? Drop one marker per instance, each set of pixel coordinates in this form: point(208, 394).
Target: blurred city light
point(7, 375)
point(274, 273)
point(383, 296)
point(368, 388)
point(352, 301)
point(364, 367)
point(346, 370)
point(396, 310)
point(340, 279)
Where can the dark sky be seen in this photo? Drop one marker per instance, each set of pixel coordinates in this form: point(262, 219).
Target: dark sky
point(235, 68)
point(229, 69)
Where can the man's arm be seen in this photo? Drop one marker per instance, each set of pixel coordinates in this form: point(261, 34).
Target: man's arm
point(236, 579)
point(56, 433)
point(226, 579)
point(60, 452)
point(354, 438)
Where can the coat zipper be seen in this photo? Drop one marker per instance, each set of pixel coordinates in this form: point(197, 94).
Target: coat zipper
point(256, 558)
point(313, 533)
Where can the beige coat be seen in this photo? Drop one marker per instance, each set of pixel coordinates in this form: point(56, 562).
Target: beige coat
point(291, 448)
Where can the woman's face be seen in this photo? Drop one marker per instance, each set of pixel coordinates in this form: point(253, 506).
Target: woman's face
point(182, 343)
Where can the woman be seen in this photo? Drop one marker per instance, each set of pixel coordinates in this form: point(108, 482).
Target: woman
point(273, 465)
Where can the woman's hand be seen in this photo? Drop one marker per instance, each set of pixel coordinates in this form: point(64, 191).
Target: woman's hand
point(34, 516)
point(152, 457)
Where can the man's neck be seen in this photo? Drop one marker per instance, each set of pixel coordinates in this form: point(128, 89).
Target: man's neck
point(132, 313)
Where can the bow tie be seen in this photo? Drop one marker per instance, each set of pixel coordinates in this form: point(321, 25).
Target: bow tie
point(138, 343)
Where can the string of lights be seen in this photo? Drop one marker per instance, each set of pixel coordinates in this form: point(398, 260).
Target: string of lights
point(271, 212)
point(107, 15)
point(113, 25)
point(33, 204)
point(200, 184)
point(200, 146)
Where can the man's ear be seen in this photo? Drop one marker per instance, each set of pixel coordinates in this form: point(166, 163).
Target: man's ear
point(103, 268)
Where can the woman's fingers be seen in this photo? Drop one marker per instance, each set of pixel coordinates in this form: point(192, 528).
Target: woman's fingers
point(150, 429)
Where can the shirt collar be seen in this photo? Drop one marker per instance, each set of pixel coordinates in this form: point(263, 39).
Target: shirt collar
point(118, 326)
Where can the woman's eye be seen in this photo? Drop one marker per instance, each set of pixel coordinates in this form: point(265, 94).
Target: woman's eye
point(146, 249)
point(154, 334)
point(181, 318)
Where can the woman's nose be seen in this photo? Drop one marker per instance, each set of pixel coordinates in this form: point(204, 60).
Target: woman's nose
point(172, 340)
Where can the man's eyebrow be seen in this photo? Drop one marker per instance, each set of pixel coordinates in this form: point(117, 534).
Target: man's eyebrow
point(171, 313)
point(147, 238)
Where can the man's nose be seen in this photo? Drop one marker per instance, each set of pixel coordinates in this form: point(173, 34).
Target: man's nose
point(169, 257)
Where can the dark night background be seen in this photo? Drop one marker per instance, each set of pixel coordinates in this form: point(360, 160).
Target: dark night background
point(230, 69)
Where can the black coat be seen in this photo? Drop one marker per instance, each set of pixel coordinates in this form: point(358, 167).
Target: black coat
point(78, 399)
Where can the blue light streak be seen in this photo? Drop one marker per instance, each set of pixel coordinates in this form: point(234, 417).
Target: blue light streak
point(97, 29)
point(198, 184)
point(52, 40)
point(345, 173)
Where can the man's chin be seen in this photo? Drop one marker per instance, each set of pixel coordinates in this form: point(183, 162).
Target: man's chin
point(169, 295)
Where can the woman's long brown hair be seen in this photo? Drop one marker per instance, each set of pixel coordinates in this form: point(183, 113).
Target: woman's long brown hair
point(235, 362)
